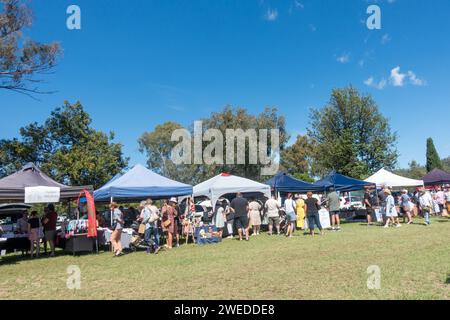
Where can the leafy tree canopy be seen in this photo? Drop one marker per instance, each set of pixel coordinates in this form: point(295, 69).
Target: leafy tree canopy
point(157, 144)
point(351, 136)
point(66, 148)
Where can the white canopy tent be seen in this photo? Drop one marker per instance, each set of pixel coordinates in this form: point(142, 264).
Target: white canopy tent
point(224, 183)
point(389, 179)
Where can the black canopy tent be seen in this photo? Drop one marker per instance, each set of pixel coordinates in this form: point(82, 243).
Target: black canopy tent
point(436, 177)
point(12, 188)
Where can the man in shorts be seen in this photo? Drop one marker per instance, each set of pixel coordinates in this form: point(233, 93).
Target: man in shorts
point(272, 208)
point(334, 206)
point(239, 206)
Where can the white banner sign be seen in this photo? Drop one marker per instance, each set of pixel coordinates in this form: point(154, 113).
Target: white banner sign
point(324, 217)
point(42, 194)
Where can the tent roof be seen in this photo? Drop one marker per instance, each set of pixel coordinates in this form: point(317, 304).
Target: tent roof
point(225, 183)
point(13, 187)
point(384, 177)
point(284, 182)
point(341, 183)
point(436, 177)
point(139, 183)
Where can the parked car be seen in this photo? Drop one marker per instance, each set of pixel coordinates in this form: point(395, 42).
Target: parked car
point(352, 203)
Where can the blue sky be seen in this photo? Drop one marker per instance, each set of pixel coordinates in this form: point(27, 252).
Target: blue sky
point(138, 63)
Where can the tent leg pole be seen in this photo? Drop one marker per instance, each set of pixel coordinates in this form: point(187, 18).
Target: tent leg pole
point(110, 243)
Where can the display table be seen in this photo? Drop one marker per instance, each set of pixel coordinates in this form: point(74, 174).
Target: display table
point(80, 243)
point(12, 242)
point(125, 239)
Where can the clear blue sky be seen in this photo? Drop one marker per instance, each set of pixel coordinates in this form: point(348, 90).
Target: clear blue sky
point(138, 63)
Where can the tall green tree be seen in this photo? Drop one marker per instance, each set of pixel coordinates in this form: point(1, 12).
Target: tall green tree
point(157, 144)
point(351, 136)
point(66, 147)
point(22, 60)
point(433, 160)
point(296, 159)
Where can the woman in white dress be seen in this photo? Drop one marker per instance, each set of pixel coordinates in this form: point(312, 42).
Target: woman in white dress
point(391, 210)
point(219, 217)
point(255, 216)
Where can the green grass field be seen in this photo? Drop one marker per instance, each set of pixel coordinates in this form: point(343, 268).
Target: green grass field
point(414, 262)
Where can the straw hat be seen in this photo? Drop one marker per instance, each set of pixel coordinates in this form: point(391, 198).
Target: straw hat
point(387, 191)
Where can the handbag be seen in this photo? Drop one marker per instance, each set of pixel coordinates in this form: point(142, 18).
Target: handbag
point(153, 217)
point(167, 223)
point(141, 229)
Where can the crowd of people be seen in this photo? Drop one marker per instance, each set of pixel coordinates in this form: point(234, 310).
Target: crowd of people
point(172, 222)
point(296, 213)
point(39, 229)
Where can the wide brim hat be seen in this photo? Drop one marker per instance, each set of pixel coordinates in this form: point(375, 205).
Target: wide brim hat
point(174, 200)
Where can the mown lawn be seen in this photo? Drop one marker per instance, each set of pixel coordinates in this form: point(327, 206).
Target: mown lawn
point(414, 262)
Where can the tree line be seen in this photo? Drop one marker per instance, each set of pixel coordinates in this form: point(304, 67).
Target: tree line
point(348, 135)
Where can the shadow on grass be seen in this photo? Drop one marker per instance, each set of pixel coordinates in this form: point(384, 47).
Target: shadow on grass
point(11, 258)
point(448, 279)
point(443, 221)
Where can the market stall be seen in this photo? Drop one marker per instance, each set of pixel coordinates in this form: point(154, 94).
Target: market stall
point(283, 182)
point(342, 183)
point(225, 183)
point(140, 183)
point(32, 186)
point(389, 179)
point(15, 186)
point(436, 177)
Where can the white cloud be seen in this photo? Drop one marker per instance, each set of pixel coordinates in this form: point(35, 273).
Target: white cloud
point(371, 83)
point(271, 15)
point(414, 80)
point(396, 79)
point(344, 58)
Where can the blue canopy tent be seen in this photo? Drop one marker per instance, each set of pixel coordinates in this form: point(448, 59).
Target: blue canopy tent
point(141, 183)
point(341, 183)
point(283, 182)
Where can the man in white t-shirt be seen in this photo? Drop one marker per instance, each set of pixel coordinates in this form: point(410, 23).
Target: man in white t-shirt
point(272, 208)
point(426, 204)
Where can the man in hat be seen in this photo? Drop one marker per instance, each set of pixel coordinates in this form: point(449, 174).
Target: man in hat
point(426, 204)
